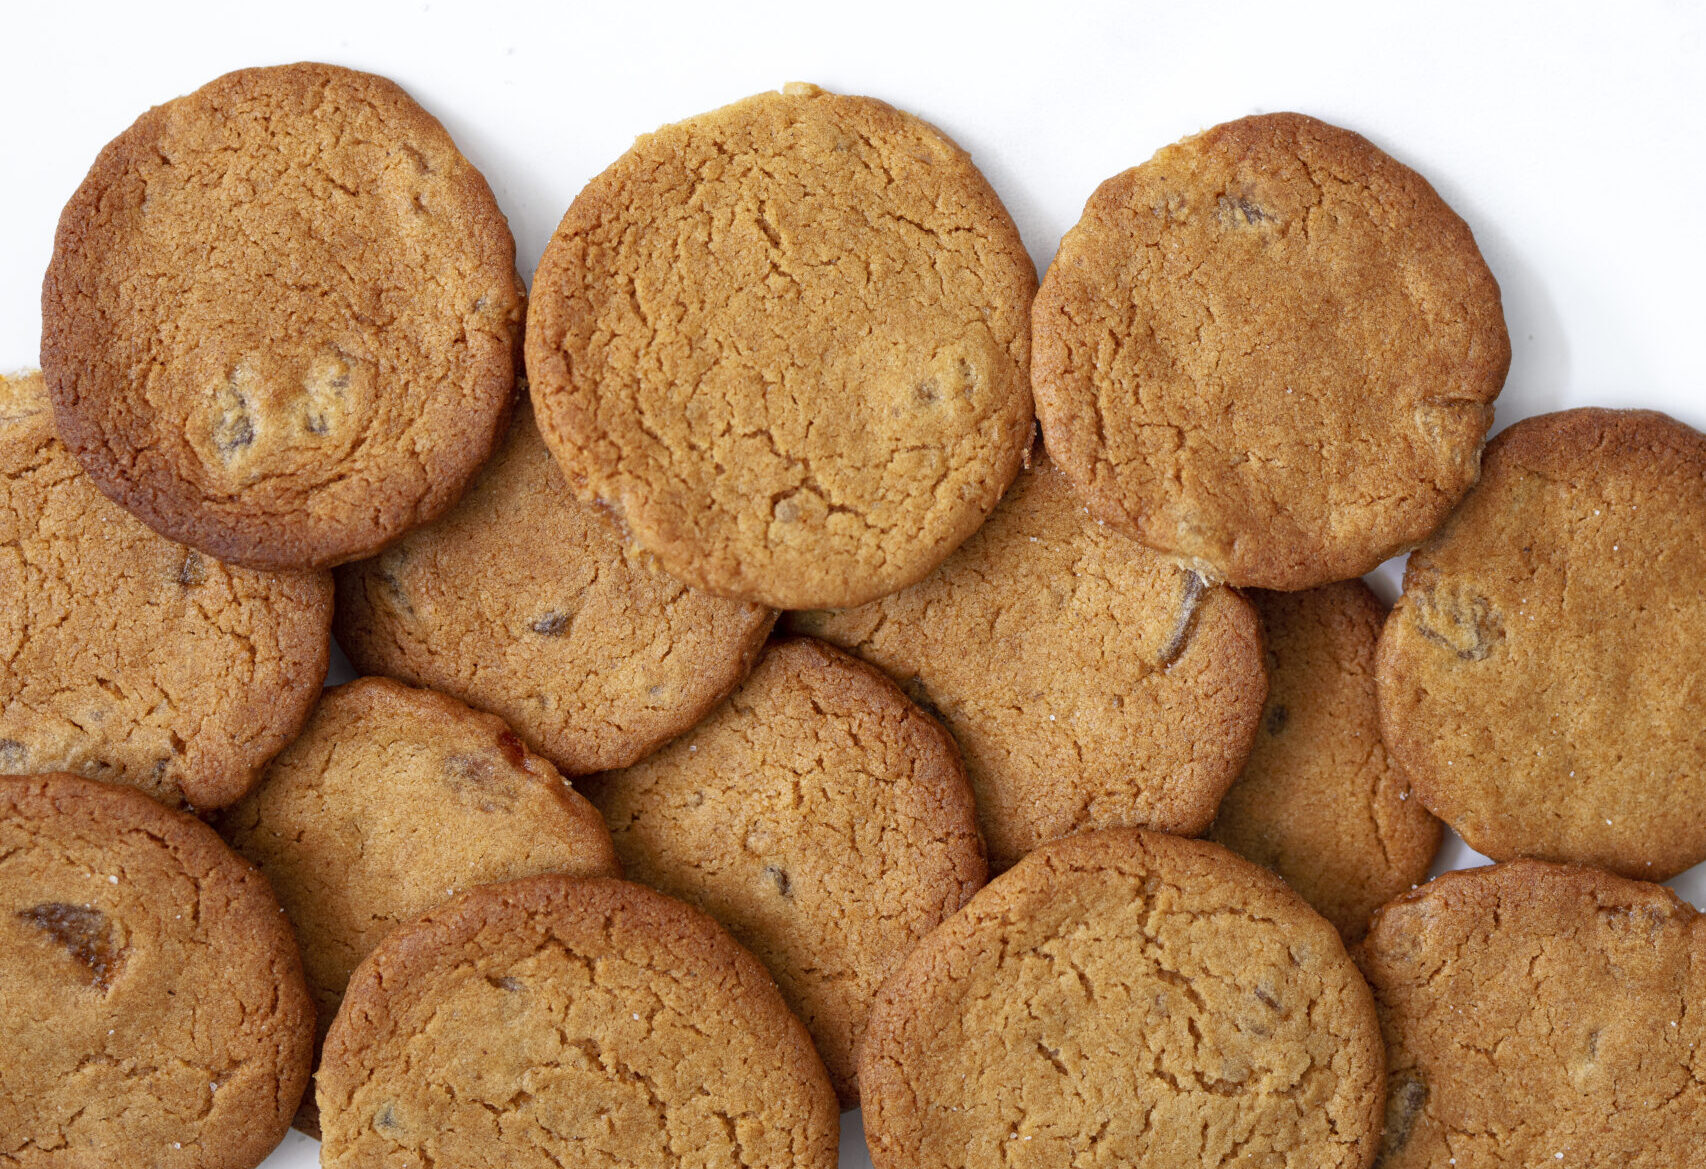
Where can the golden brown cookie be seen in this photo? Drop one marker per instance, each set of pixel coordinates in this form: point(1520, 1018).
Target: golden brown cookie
point(152, 1010)
point(523, 601)
point(1541, 1014)
point(1543, 677)
point(551, 1021)
point(786, 343)
point(821, 817)
point(1123, 997)
point(1270, 350)
point(1090, 682)
point(391, 801)
point(128, 657)
point(1320, 802)
point(282, 317)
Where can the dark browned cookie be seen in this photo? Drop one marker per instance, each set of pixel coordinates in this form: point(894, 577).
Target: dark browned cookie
point(282, 319)
point(152, 1010)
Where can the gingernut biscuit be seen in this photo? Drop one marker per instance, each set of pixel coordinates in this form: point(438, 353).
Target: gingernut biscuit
point(152, 1010)
point(391, 801)
point(1123, 997)
point(282, 319)
point(821, 817)
point(130, 658)
point(552, 1021)
point(522, 601)
point(1090, 682)
point(1320, 802)
point(1270, 350)
point(1543, 676)
point(786, 343)
point(1541, 1014)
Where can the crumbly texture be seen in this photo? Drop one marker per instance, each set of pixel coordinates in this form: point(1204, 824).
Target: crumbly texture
point(391, 801)
point(786, 343)
point(129, 658)
point(1123, 997)
point(1090, 682)
point(550, 1022)
point(1543, 676)
point(820, 816)
point(1270, 350)
point(1320, 802)
point(523, 601)
point(1541, 1014)
point(282, 319)
point(152, 1010)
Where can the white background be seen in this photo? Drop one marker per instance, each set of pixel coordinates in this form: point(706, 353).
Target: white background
point(1572, 137)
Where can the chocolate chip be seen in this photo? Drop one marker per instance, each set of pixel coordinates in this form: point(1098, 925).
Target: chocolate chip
point(915, 690)
point(1466, 624)
point(784, 885)
point(552, 624)
point(386, 1118)
point(1405, 1097)
point(1192, 588)
point(12, 754)
point(1251, 213)
point(506, 983)
point(84, 932)
point(1278, 716)
point(193, 571)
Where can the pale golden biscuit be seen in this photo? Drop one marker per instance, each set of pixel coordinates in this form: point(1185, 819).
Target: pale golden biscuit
point(786, 343)
point(1543, 677)
point(551, 1021)
point(522, 601)
point(1320, 802)
point(282, 319)
point(822, 818)
point(1270, 350)
point(1123, 997)
point(1090, 682)
point(130, 658)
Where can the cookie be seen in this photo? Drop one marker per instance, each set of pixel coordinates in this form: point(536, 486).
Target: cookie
point(1272, 351)
point(1542, 677)
point(391, 801)
point(556, 1021)
point(786, 344)
point(130, 658)
point(1541, 1014)
point(281, 322)
point(522, 601)
point(821, 817)
point(152, 1010)
point(1090, 682)
point(1320, 802)
point(1124, 997)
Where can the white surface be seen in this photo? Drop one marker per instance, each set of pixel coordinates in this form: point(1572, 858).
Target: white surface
point(1567, 134)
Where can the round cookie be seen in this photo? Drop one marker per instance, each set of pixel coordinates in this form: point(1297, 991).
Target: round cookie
point(554, 1021)
point(130, 658)
point(1090, 682)
point(281, 322)
point(786, 343)
point(1320, 802)
point(522, 601)
point(152, 1010)
point(1124, 997)
point(1543, 676)
point(1270, 350)
point(391, 801)
point(1541, 1014)
point(821, 817)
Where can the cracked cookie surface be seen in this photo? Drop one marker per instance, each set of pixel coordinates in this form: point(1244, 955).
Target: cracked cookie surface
point(523, 601)
point(820, 816)
point(1542, 678)
point(1541, 1014)
point(282, 319)
point(127, 657)
point(391, 801)
point(787, 343)
point(1270, 350)
point(1090, 682)
point(1124, 997)
point(1320, 801)
point(550, 1021)
point(152, 1008)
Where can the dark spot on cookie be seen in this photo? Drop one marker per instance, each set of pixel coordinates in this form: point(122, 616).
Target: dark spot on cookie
point(696, 800)
point(926, 390)
point(513, 748)
point(193, 571)
point(386, 1119)
point(768, 228)
point(1465, 623)
point(235, 430)
point(552, 624)
point(317, 424)
point(1191, 590)
point(1278, 716)
point(1405, 1096)
point(1266, 998)
point(85, 933)
point(784, 885)
point(12, 754)
point(915, 690)
point(468, 769)
point(506, 983)
point(1243, 212)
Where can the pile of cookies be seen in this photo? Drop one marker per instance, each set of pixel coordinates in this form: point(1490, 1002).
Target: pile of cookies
point(1075, 814)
